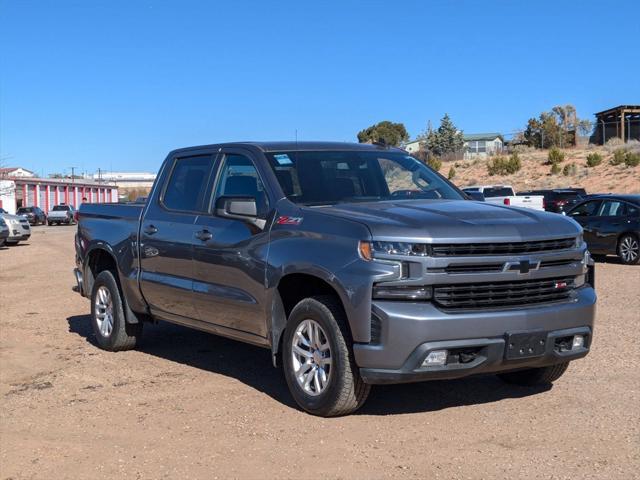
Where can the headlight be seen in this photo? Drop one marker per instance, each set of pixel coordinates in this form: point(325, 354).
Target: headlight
point(400, 248)
point(579, 240)
point(402, 292)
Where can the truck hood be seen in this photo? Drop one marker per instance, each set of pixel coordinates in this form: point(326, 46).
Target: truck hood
point(455, 221)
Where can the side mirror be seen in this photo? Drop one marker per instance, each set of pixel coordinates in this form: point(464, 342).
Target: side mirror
point(240, 208)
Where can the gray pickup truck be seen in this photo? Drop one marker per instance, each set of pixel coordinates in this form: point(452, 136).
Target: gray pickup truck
point(354, 264)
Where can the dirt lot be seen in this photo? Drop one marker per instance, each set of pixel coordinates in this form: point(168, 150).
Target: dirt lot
point(190, 405)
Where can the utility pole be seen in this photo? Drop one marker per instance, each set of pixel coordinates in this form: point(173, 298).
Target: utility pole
point(99, 175)
point(73, 176)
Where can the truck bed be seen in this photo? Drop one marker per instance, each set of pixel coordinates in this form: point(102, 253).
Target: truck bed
point(114, 226)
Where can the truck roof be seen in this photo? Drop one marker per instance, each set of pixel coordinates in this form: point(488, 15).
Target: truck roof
point(280, 146)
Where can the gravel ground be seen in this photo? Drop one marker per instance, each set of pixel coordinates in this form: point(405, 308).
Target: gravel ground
point(191, 405)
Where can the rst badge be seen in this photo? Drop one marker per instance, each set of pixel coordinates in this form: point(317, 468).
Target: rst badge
point(286, 220)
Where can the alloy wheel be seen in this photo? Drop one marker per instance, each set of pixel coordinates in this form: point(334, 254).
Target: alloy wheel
point(629, 249)
point(104, 311)
point(311, 357)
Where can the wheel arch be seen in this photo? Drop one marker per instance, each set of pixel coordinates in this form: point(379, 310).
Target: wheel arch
point(99, 258)
point(291, 289)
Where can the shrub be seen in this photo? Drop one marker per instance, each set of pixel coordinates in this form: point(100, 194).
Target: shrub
point(632, 159)
point(504, 166)
point(570, 170)
point(613, 143)
point(515, 164)
point(556, 156)
point(555, 169)
point(452, 173)
point(594, 159)
point(619, 156)
point(435, 163)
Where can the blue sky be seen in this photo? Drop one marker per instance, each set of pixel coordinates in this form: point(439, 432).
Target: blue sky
point(117, 84)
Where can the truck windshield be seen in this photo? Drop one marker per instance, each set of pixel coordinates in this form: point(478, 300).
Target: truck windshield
point(328, 177)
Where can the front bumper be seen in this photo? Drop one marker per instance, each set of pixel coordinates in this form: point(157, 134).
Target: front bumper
point(19, 237)
point(410, 330)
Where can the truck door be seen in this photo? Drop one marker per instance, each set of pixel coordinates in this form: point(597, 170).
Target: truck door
point(230, 255)
point(167, 235)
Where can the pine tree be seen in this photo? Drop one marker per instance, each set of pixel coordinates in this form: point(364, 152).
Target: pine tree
point(445, 139)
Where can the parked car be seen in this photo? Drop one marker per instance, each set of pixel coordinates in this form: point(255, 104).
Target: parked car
point(354, 264)
point(611, 225)
point(4, 231)
point(35, 215)
point(61, 214)
point(505, 195)
point(559, 200)
point(19, 229)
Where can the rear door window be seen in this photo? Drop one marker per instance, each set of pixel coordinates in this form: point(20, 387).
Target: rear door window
point(187, 184)
point(612, 208)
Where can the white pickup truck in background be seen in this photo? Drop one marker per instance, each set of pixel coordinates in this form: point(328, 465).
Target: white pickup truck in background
point(505, 195)
point(61, 214)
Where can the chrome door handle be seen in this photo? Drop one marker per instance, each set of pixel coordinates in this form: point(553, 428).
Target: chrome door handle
point(204, 235)
point(150, 230)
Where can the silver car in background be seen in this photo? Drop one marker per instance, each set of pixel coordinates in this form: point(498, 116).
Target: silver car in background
point(19, 228)
point(4, 231)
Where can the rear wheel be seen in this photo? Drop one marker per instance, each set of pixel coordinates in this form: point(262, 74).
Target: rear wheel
point(629, 249)
point(112, 331)
point(535, 376)
point(12, 244)
point(318, 360)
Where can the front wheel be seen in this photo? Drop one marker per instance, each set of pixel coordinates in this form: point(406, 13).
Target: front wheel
point(629, 249)
point(112, 331)
point(535, 376)
point(318, 360)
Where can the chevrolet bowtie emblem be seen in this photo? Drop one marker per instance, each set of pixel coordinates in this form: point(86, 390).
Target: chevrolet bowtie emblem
point(522, 267)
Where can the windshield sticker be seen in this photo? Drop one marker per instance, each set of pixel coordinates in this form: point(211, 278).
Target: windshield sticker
point(283, 159)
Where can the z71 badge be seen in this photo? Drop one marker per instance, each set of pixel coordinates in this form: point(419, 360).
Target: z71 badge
point(284, 220)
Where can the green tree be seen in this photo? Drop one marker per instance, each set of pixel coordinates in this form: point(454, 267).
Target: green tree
point(387, 132)
point(552, 129)
point(445, 139)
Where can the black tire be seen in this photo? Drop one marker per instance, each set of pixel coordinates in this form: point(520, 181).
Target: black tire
point(345, 391)
point(631, 245)
point(11, 244)
point(123, 335)
point(535, 376)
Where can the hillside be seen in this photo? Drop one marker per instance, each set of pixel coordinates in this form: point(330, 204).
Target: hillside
point(535, 173)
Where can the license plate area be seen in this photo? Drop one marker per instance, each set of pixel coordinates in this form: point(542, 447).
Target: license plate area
point(525, 344)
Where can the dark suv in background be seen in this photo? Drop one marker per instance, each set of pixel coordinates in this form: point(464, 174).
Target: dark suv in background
point(611, 225)
point(559, 200)
point(35, 215)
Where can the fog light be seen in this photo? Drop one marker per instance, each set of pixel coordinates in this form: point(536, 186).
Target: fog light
point(578, 342)
point(437, 357)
